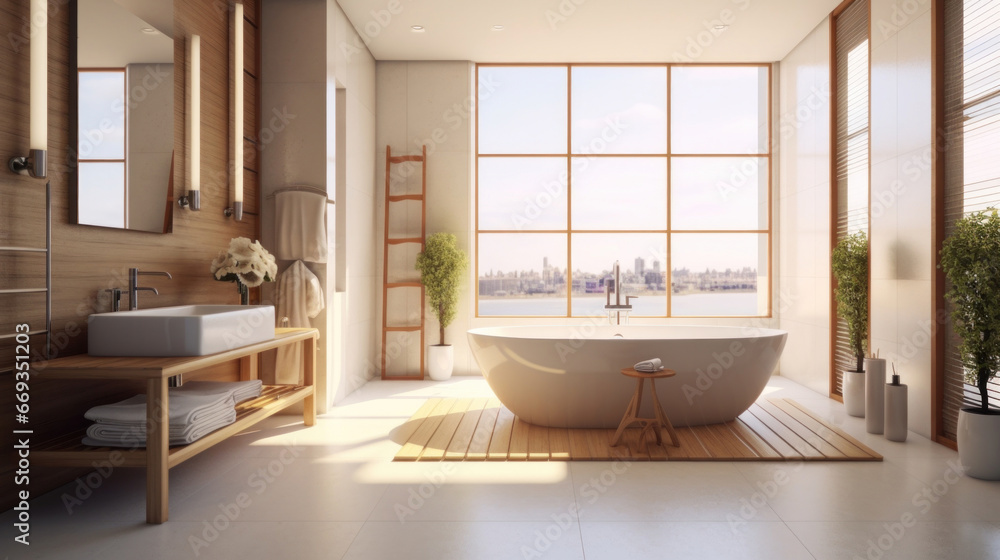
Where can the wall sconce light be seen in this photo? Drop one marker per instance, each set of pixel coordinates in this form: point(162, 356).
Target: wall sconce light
point(236, 211)
point(34, 163)
point(193, 198)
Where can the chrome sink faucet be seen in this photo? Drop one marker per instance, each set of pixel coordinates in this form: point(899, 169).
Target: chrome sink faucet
point(615, 310)
point(134, 287)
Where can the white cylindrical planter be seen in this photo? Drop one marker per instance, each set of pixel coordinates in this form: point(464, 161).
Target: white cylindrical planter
point(895, 412)
point(874, 395)
point(978, 450)
point(854, 393)
point(440, 361)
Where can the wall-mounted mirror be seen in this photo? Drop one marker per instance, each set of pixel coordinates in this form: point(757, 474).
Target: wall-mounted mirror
point(124, 79)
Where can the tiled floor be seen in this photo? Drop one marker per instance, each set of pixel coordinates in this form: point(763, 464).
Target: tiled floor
point(332, 492)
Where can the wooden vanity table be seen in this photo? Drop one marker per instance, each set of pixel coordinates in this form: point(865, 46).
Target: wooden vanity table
point(157, 457)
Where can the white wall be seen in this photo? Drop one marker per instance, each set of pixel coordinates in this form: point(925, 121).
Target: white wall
point(299, 121)
point(902, 316)
point(804, 215)
point(430, 103)
point(901, 234)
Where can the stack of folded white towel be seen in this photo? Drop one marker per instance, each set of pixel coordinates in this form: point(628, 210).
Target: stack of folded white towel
point(649, 366)
point(196, 409)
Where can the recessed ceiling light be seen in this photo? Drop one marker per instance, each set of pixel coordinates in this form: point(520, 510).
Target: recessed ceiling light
point(497, 28)
point(721, 27)
point(148, 30)
point(417, 28)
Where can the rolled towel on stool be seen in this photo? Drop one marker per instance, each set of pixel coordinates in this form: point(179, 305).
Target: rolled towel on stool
point(648, 366)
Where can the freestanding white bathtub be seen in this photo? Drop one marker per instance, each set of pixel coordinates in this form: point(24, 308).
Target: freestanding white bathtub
point(570, 376)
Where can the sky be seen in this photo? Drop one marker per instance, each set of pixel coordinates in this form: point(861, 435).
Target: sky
point(623, 110)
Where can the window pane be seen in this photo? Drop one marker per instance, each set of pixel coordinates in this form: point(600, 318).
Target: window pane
point(102, 194)
point(619, 110)
point(102, 115)
point(981, 37)
point(857, 89)
point(522, 274)
point(718, 274)
point(718, 193)
point(718, 110)
point(619, 193)
point(522, 193)
point(980, 165)
point(641, 259)
point(522, 110)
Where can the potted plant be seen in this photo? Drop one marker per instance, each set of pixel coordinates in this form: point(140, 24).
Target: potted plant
point(970, 258)
point(442, 265)
point(850, 269)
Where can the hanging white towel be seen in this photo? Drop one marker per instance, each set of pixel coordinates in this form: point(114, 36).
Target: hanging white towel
point(300, 226)
point(299, 297)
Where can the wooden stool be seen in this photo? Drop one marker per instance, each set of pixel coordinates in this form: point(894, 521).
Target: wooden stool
point(632, 412)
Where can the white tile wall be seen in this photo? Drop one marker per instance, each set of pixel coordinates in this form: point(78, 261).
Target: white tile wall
point(804, 234)
point(901, 307)
point(304, 80)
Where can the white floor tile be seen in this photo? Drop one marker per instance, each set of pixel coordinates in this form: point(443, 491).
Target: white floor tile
point(479, 492)
point(828, 491)
point(900, 539)
point(620, 491)
point(288, 488)
point(691, 540)
point(219, 539)
point(467, 540)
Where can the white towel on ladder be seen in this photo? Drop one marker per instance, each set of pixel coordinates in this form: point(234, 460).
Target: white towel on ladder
point(299, 298)
point(300, 226)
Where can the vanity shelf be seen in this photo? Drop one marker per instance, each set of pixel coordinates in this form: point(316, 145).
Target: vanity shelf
point(157, 457)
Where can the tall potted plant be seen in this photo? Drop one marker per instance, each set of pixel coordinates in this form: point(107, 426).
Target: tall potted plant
point(970, 258)
point(442, 265)
point(850, 269)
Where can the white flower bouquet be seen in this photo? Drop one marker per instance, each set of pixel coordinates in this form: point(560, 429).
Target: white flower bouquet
point(245, 262)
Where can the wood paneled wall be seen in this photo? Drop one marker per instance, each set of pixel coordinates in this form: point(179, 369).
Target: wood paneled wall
point(87, 260)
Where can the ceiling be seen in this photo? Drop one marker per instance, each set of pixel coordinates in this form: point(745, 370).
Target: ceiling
point(585, 30)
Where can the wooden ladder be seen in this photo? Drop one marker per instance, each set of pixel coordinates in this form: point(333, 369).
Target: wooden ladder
point(386, 285)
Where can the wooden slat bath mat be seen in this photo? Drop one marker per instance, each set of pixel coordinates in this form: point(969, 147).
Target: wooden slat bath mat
point(484, 430)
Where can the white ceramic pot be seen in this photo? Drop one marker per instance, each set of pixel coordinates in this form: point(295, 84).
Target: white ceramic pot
point(979, 444)
point(440, 361)
point(854, 393)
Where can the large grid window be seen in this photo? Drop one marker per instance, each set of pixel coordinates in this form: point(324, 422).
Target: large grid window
point(101, 151)
point(971, 126)
point(851, 168)
point(664, 168)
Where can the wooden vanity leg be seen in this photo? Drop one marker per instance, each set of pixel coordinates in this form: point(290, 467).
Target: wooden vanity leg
point(249, 367)
point(157, 445)
point(309, 379)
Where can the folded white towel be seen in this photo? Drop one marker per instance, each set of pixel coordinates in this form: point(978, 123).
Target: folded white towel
point(240, 390)
point(649, 366)
point(111, 435)
point(184, 408)
point(300, 226)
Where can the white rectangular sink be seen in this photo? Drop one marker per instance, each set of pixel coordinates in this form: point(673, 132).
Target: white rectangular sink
point(187, 330)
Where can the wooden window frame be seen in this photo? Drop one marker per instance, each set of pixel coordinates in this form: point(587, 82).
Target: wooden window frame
point(835, 192)
point(668, 156)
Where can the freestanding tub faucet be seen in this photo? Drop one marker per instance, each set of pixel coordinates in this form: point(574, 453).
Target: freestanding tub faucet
point(616, 309)
point(133, 285)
